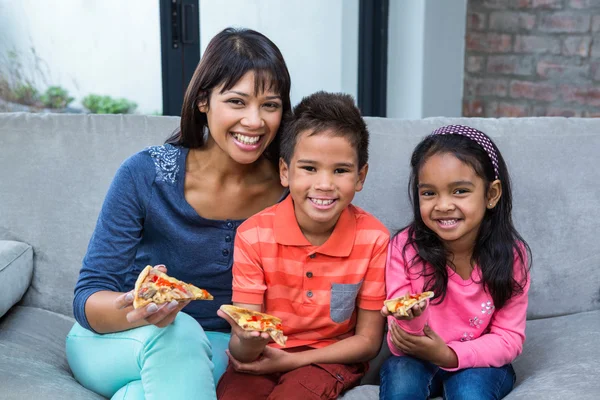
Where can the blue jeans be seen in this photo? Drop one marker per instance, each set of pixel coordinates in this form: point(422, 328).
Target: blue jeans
point(409, 378)
point(179, 361)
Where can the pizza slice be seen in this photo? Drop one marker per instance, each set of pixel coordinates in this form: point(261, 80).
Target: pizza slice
point(256, 321)
point(154, 286)
point(401, 305)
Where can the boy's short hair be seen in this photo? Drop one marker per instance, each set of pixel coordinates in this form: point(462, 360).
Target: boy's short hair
point(323, 111)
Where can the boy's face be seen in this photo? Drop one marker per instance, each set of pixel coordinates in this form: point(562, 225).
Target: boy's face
point(322, 176)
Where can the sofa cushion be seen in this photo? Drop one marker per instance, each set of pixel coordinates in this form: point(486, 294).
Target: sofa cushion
point(16, 269)
point(32, 350)
point(559, 361)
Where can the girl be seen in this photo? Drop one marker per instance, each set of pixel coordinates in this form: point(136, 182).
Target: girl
point(461, 245)
point(180, 204)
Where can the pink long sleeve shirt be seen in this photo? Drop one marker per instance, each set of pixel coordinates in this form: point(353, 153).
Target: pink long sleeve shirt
point(466, 320)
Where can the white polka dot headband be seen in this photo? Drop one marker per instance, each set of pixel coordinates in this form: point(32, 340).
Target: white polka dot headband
point(477, 136)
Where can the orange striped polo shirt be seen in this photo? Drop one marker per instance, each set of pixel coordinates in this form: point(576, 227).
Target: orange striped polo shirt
point(313, 289)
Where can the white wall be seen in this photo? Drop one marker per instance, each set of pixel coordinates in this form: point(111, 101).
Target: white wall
point(405, 59)
point(88, 46)
point(444, 58)
point(318, 39)
point(113, 46)
point(426, 58)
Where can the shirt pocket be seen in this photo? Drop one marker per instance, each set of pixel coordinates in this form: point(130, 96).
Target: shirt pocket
point(343, 300)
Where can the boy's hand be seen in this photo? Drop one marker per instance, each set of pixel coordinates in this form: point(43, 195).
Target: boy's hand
point(429, 347)
point(272, 360)
point(247, 337)
point(413, 312)
point(245, 346)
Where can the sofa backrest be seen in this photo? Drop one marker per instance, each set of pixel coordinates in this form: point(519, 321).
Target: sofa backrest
point(55, 170)
point(54, 173)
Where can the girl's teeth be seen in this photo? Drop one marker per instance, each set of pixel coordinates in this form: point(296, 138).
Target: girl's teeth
point(246, 139)
point(322, 202)
point(447, 221)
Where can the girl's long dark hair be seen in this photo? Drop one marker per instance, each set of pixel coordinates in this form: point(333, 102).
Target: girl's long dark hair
point(228, 56)
point(497, 242)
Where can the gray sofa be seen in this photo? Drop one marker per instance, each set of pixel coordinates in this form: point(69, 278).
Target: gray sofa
point(55, 170)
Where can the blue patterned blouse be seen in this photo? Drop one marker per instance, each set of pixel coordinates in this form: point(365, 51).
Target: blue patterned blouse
point(145, 220)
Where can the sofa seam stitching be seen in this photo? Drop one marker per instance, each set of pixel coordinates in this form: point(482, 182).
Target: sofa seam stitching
point(16, 258)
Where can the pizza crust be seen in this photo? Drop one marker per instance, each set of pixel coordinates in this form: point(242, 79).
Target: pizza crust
point(138, 301)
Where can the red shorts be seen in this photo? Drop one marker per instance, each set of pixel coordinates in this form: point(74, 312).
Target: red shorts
point(315, 381)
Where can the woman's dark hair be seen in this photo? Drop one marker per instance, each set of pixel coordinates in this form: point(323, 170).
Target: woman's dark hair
point(497, 241)
point(228, 56)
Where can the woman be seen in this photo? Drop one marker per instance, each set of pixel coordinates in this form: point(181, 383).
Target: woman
point(179, 205)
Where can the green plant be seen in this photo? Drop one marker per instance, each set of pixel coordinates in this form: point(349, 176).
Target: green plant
point(97, 104)
point(56, 97)
point(5, 91)
point(20, 74)
point(25, 93)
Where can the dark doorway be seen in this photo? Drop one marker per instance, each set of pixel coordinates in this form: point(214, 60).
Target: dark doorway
point(180, 49)
point(372, 57)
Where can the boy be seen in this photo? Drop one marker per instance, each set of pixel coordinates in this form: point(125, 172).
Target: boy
point(313, 260)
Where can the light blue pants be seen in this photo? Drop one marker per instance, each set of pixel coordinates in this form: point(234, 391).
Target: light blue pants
point(179, 361)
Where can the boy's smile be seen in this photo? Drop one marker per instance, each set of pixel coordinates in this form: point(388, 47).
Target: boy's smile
point(323, 177)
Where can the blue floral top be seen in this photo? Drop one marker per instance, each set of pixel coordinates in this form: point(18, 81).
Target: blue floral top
point(145, 220)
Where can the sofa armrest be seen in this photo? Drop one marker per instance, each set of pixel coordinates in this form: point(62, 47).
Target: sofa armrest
point(16, 271)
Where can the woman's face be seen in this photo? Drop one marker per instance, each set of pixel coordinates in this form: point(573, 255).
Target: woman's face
point(243, 123)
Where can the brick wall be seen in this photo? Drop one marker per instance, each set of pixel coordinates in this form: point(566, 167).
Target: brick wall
point(532, 58)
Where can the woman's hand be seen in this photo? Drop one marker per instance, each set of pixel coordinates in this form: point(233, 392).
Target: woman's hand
point(429, 347)
point(159, 315)
point(272, 360)
point(412, 312)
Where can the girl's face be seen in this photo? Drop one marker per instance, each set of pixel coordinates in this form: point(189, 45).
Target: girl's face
point(453, 199)
point(242, 123)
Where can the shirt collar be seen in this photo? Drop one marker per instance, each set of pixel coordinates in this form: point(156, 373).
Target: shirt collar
point(287, 231)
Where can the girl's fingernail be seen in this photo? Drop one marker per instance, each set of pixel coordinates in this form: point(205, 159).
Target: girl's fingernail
point(152, 308)
point(129, 297)
point(172, 305)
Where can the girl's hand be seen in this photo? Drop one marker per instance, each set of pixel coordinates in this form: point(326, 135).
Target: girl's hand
point(271, 361)
point(413, 312)
point(429, 347)
point(159, 315)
